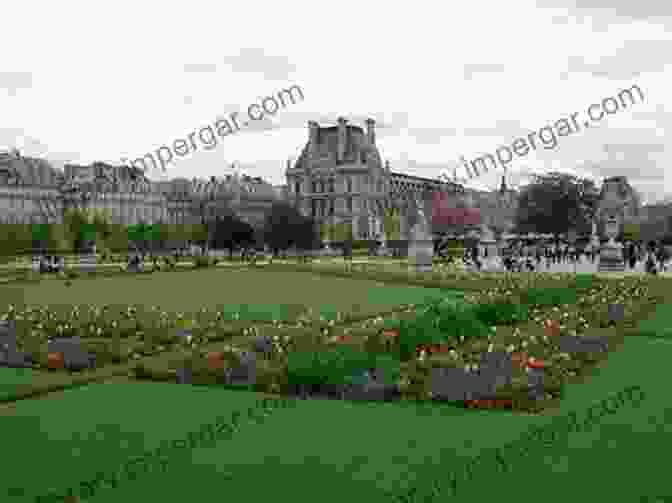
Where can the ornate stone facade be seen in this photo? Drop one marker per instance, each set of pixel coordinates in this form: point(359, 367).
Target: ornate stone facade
point(340, 177)
point(31, 190)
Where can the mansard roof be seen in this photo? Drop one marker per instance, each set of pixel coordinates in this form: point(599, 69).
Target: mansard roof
point(30, 170)
point(327, 145)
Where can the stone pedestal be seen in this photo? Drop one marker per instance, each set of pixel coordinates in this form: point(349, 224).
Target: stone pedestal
point(611, 257)
point(420, 254)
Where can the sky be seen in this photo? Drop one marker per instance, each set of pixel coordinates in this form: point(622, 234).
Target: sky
point(106, 81)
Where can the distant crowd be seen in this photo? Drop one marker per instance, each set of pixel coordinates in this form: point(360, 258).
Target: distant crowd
point(529, 256)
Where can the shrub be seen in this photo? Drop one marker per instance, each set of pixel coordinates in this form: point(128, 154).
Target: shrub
point(549, 296)
point(340, 365)
point(583, 281)
point(501, 313)
point(202, 261)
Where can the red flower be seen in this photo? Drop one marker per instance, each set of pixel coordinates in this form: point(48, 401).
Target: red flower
point(390, 333)
point(536, 364)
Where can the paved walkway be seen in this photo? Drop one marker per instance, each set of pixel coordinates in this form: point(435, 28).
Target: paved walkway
point(584, 266)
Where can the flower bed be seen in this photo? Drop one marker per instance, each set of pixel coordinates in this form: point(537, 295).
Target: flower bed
point(530, 334)
point(536, 348)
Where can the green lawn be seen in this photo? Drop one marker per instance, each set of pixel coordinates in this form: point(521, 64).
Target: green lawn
point(340, 451)
point(212, 288)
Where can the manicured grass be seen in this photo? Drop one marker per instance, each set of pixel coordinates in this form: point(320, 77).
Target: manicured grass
point(660, 325)
point(358, 451)
point(338, 451)
point(211, 288)
point(10, 379)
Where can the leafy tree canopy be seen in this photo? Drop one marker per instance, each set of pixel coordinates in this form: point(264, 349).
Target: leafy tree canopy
point(554, 203)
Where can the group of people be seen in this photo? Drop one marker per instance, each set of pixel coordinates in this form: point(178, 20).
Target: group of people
point(520, 256)
point(49, 263)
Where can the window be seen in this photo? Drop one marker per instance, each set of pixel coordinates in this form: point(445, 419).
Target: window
point(349, 204)
point(314, 184)
point(331, 186)
point(349, 184)
point(363, 157)
point(313, 204)
point(321, 186)
point(331, 207)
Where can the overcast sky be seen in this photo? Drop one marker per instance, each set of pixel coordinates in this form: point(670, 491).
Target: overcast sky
point(85, 81)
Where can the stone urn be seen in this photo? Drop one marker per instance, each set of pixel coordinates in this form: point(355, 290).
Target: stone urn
point(611, 253)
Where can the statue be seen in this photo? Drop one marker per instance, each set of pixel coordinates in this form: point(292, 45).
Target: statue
point(420, 230)
point(421, 246)
point(611, 213)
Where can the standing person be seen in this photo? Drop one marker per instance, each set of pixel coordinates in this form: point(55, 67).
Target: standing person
point(632, 255)
point(650, 265)
point(660, 256)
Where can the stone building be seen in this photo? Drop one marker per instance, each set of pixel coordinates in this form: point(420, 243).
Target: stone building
point(250, 198)
point(121, 191)
point(339, 177)
point(31, 190)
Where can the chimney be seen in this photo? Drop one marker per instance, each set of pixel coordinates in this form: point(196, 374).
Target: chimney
point(342, 127)
point(313, 130)
point(371, 131)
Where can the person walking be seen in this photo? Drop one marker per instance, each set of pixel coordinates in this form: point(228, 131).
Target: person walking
point(632, 256)
point(660, 256)
point(650, 265)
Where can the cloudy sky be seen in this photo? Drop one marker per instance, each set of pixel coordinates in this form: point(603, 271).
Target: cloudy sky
point(88, 81)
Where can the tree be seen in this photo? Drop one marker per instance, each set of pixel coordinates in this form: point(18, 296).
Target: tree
point(631, 232)
point(230, 233)
point(307, 235)
point(206, 202)
point(555, 203)
point(280, 226)
point(102, 221)
point(392, 223)
point(342, 231)
point(117, 239)
point(79, 227)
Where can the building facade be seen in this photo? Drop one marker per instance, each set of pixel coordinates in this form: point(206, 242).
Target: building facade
point(339, 177)
point(33, 191)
